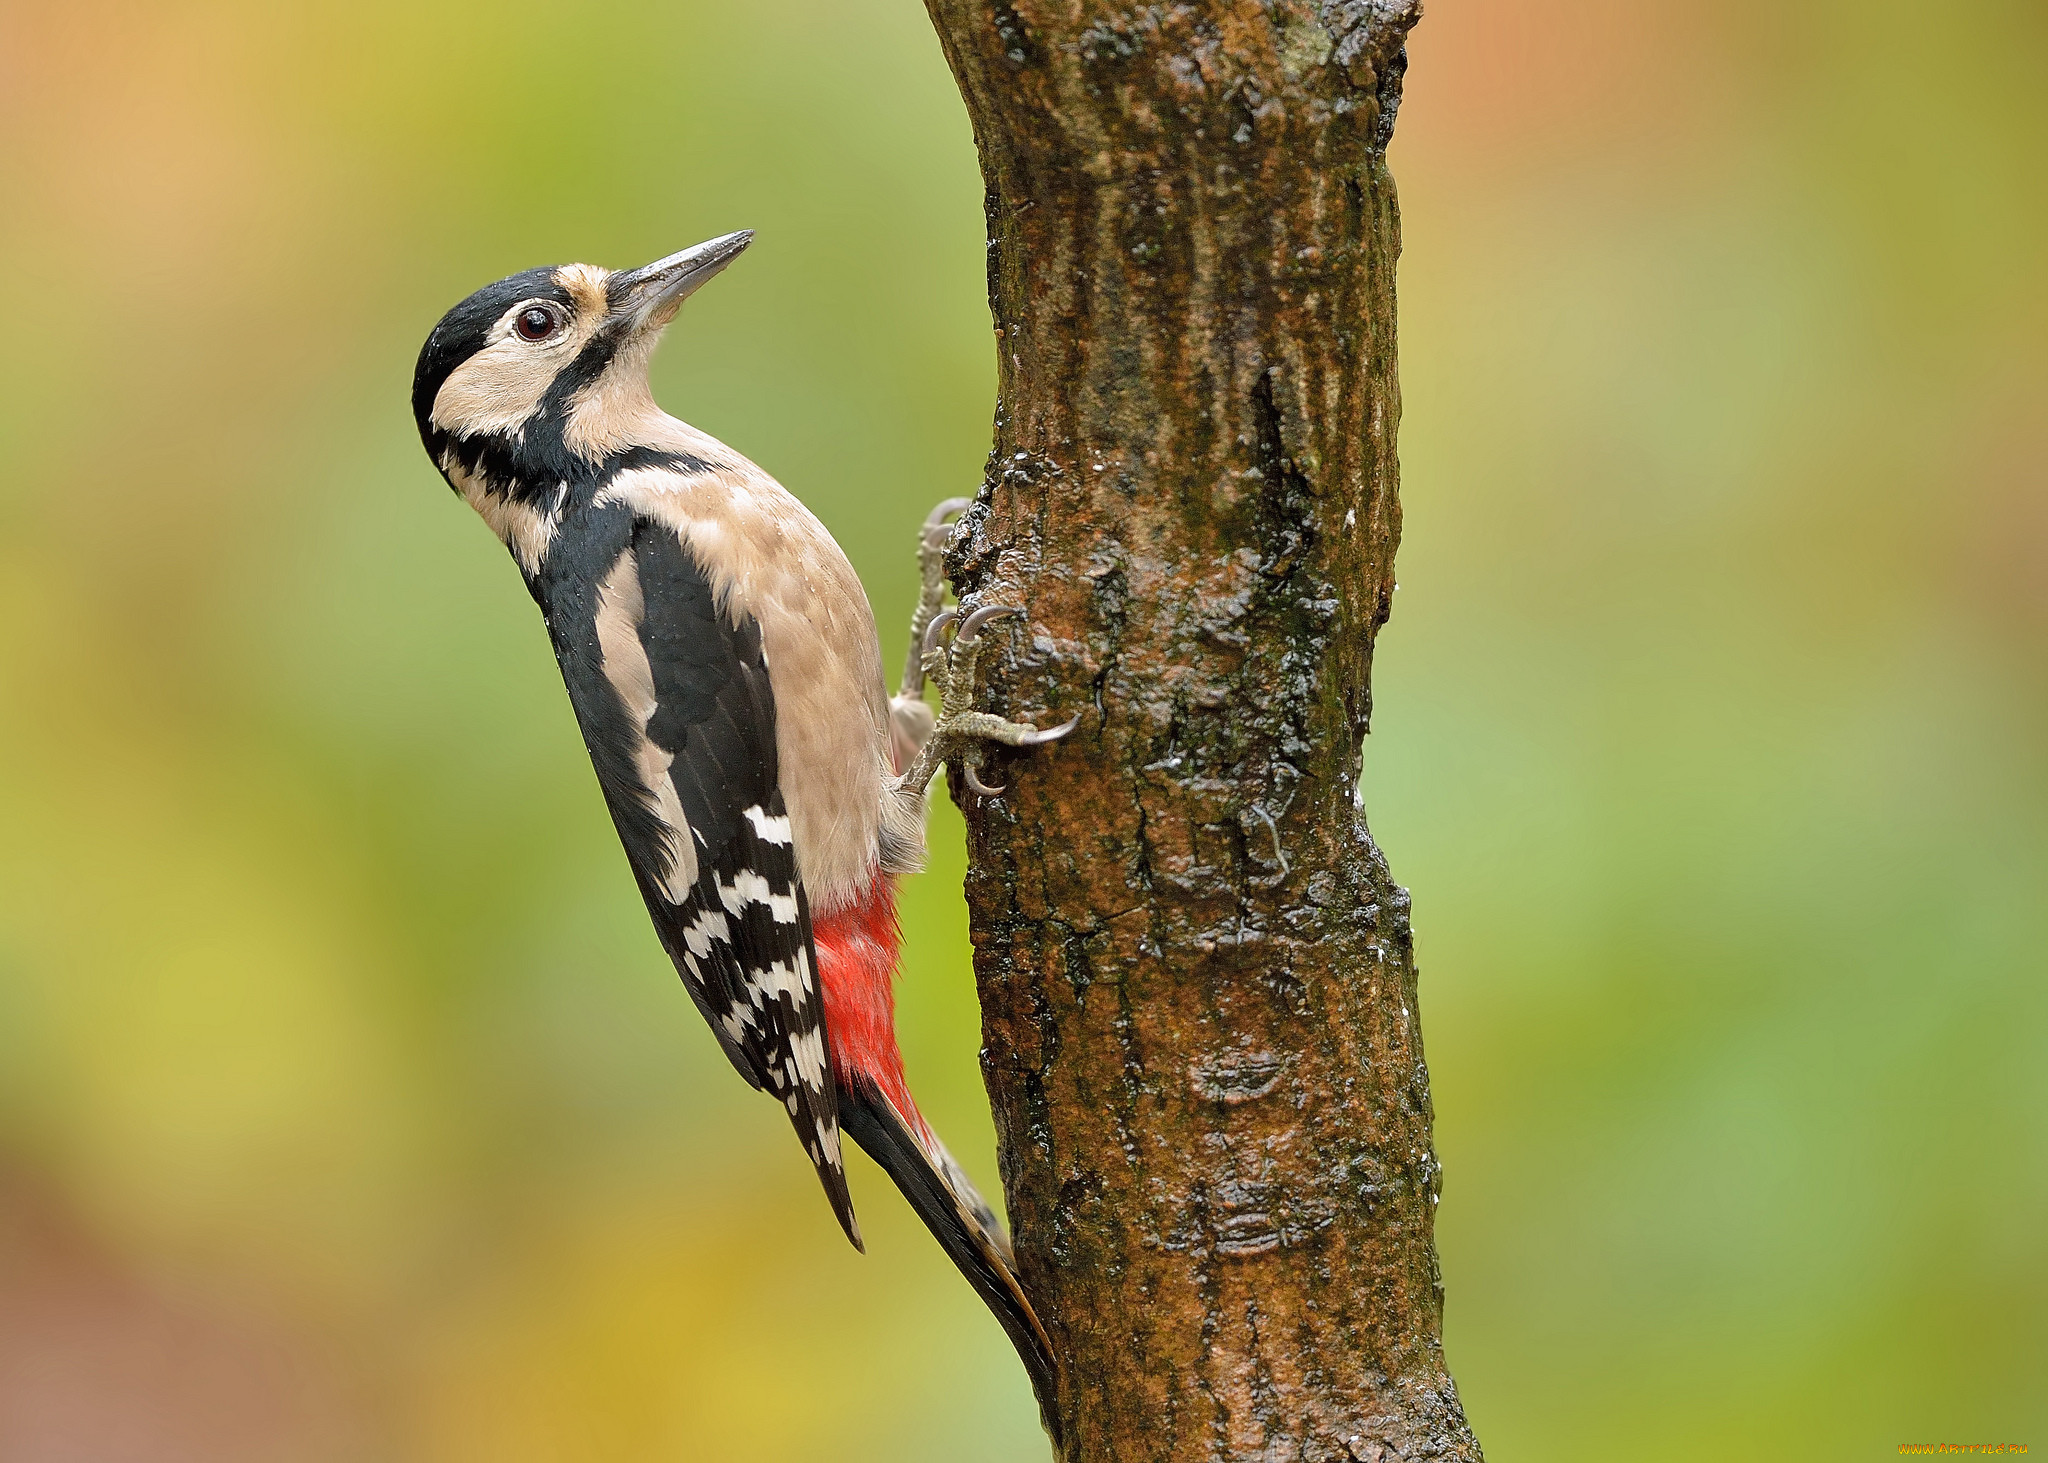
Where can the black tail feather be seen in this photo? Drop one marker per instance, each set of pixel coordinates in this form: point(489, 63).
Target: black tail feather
point(959, 1219)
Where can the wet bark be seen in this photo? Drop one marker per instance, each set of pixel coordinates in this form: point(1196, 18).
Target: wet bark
point(1196, 974)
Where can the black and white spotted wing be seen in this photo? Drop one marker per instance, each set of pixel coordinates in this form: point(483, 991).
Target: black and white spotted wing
point(675, 704)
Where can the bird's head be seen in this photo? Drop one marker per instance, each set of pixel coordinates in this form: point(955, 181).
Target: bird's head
point(538, 378)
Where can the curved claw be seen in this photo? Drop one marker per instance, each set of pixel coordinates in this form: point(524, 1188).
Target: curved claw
point(937, 534)
point(976, 785)
point(932, 631)
point(982, 616)
point(1051, 733)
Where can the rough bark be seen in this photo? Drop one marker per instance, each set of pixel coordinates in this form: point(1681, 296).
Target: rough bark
point(1197, 983)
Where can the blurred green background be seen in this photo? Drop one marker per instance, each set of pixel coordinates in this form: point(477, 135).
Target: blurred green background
point(348, 1110)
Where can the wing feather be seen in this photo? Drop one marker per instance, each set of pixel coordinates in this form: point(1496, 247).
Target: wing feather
point(681, 723)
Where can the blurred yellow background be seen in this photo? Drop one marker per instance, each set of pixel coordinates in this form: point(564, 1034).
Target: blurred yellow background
point(348, 1110)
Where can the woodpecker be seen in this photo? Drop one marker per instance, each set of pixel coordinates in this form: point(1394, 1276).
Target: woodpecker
point(722, 661)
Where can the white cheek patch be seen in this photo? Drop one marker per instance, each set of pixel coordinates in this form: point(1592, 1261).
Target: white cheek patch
point(620, 607)
point(496, 390)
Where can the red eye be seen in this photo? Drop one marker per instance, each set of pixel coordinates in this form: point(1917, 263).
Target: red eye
point(536, 323)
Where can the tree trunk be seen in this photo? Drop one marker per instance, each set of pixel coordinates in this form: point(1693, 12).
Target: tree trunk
point(1197, 984)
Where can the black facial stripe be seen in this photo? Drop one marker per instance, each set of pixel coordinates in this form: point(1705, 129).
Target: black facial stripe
point(532, 468)
point(589, 364)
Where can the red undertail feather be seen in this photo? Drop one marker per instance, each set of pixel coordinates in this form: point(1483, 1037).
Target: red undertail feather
point(858, 949)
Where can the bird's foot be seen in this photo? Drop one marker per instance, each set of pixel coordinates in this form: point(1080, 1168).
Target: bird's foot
point(933, 539)
point(959, 727)
point(911, 719)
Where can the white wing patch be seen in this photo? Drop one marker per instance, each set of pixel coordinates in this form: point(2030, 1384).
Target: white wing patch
point(807, 1050)
point(748, 887)
point(620, 607)
point(783, 978)
point(707, 929)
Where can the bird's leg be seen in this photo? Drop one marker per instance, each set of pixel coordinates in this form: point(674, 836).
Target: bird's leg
point(910, 718)
point(960, 727)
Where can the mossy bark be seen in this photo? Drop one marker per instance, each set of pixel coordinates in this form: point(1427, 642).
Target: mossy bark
point(1196, 975)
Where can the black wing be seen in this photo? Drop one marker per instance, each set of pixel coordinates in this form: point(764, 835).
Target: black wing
point(675, 704)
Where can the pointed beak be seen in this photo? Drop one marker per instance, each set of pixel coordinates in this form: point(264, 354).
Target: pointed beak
point(650, 296)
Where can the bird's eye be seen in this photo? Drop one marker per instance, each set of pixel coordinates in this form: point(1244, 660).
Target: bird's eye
point(537, 322)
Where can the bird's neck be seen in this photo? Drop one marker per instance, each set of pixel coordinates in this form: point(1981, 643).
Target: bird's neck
point(524, 483)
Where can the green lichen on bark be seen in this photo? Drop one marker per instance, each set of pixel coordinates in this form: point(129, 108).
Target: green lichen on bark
point(1196, 973)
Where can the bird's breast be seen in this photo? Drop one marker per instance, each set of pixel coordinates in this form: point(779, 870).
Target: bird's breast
point(769, 559)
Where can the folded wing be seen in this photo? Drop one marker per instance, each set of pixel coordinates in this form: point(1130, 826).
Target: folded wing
point(674, 700)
